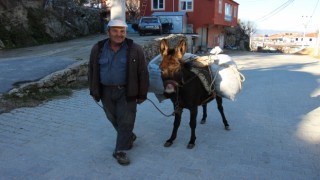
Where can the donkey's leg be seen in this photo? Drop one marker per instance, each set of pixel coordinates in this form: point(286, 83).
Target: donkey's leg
point(204, 114)
point(176, 124)
point(220, 108)
point(193, 125)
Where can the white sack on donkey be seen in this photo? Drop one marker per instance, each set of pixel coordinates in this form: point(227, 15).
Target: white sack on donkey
point(156, 85)
point(227, 78)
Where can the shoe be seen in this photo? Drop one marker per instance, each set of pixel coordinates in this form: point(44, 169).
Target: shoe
point(121, 158)
point(133, 138)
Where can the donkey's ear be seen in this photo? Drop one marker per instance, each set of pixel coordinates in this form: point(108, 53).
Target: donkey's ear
point(164, 47)
point(181, 48)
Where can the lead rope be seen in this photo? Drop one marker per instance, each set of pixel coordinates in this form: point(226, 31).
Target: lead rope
point(176, 105)
point(99, 104)
point(167, 115)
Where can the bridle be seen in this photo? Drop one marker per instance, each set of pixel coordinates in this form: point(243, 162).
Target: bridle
point(177, 86)
point(183, 82)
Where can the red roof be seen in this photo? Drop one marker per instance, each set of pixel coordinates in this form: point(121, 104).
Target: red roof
point(312, 35)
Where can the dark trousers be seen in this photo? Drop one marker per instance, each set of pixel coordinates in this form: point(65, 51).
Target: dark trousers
point(121, 114)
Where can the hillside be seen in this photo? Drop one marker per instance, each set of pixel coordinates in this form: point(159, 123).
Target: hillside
point(33, 22)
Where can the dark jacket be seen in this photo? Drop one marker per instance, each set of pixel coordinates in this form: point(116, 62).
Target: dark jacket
point(137, 72)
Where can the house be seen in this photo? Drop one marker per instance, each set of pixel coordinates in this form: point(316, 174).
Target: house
point(309, 39)
point(287, 39)
point(206, 18)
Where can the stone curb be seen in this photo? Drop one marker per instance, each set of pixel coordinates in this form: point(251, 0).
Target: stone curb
point(73, 73)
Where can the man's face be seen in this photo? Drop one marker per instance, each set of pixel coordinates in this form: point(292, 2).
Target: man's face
point(117, 34)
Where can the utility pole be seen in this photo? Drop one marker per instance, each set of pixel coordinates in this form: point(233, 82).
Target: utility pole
point(305, 21)
point(316, 48)
point(118, 9)
point(250, 41)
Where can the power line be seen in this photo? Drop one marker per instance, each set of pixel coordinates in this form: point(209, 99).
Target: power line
point(314, 10)
point(275, 11)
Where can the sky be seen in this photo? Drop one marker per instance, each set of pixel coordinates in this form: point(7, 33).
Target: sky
point(281, 15)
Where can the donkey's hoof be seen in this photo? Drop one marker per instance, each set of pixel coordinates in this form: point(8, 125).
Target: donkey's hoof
point(190, 146)
point(227, 128)
point(167, 144)
point(202, 121)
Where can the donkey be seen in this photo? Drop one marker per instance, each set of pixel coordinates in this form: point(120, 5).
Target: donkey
point(184, 89)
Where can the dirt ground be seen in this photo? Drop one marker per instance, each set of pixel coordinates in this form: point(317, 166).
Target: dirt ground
point(310, 52)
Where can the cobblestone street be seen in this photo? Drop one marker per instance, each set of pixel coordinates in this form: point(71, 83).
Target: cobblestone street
point(275, 133)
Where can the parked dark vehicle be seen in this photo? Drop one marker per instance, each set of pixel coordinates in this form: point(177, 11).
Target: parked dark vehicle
point(149, 25)
point(167, 26)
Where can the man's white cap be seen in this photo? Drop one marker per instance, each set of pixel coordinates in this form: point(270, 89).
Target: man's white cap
point(117, 23)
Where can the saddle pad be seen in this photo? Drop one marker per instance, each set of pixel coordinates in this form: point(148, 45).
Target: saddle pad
point(204, 74)
point(217, 73)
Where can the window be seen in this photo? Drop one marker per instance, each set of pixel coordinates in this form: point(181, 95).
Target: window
point(235, 12)
point(149, 20)
point(158, 4)
point(220, 6)
point(186, 5)
point(228, 12)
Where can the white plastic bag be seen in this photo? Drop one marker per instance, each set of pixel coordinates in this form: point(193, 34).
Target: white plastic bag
point(156, 85)
point(227, 78)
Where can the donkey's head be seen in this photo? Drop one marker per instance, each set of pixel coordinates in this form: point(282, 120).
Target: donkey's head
point(171, 64)
point(171, 58)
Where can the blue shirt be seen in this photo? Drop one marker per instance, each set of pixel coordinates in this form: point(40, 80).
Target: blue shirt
point(113, 65)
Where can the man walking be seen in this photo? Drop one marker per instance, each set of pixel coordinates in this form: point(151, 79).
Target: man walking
point(118, 76)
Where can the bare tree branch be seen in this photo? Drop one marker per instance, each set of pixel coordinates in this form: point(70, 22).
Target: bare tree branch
point(133, 9)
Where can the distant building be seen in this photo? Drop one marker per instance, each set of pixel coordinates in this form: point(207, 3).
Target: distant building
point(285, 40)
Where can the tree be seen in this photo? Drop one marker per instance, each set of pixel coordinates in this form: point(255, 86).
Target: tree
point(248, 27)
point(239, 35)
point(133, 10)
